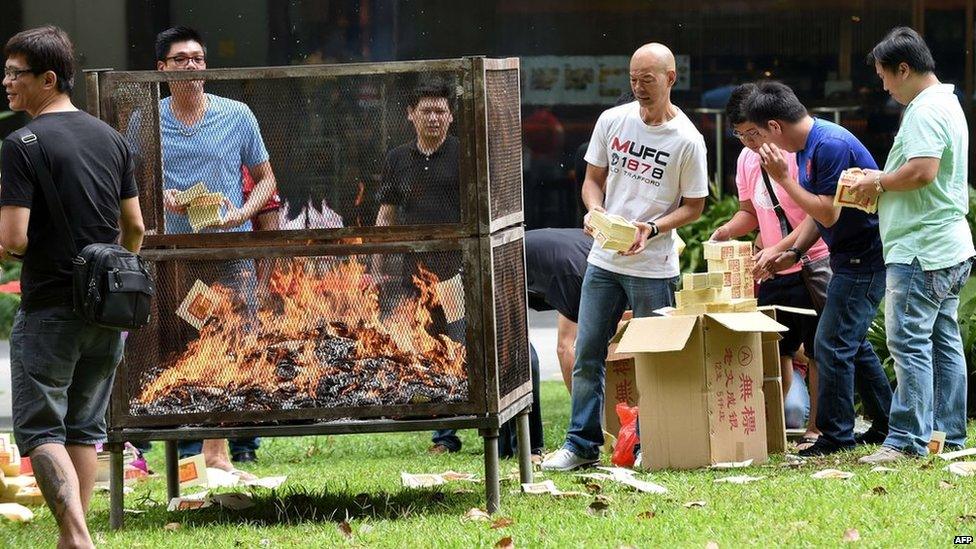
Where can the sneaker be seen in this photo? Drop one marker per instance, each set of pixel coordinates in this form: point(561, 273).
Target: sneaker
point(885, 454)
point(244, 457)
point(439, 449)
point(871, 436)
point(565, 460)
point(822, 448)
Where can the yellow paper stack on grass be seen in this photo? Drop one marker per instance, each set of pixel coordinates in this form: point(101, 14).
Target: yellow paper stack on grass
point(612, 232)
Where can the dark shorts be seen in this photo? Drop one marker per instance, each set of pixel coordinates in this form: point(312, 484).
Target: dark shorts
point(61, 370)
point(789, 290)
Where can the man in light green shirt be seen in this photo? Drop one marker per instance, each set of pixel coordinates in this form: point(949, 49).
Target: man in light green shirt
point(928, 248)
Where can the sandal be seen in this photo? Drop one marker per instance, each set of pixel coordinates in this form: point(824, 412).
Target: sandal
point(806, 442)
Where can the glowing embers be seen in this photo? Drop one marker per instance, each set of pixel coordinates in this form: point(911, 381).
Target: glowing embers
point(315, 336)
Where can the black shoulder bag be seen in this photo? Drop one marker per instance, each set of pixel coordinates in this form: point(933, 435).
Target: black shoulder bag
point(815, 274)
point(110, 285)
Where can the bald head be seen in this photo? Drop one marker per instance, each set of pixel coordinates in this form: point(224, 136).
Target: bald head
point(653, 56)
point(652, 74)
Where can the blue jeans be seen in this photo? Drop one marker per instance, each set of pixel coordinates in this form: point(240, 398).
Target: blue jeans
point(187, 448)
point(923, 338)
point(604, 298)
point(448, 437)
point(845, 357)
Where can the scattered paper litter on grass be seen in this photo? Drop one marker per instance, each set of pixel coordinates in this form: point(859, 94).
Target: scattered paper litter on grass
point(267, 482)
point(427, 480)
point(16, 512)
point(882, 469)
point(190, 502)
point(424, 480)
point(732, 464)
point(962, 468)
point(547, 487)
point(627, 478)
point(832, 474)
point(949, 456)
point(234, 501)
point(475, 514)
point(740, 479)
point(455, 476)
point(694, 504)
point(218, 478)
point(596, 476)
point(192, 471)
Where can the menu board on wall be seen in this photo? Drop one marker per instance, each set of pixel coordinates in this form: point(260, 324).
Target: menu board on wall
point(583, 79)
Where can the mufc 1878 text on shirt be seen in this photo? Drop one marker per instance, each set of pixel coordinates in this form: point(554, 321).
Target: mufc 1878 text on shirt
point(650, 168)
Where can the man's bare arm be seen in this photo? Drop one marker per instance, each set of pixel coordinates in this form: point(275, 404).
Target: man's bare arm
point(13, 228)
point(130, 223)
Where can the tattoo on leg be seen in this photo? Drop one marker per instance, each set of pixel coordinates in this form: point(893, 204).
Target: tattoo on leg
point(53, 482)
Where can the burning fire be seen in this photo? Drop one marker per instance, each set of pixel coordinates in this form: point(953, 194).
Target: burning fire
point(318, 339)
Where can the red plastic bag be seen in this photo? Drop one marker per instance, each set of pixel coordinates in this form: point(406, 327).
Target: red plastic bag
point(627, 439)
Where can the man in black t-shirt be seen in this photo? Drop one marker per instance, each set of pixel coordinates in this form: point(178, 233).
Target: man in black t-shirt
point(421, 186)
point(421, 182)
point(61, 366)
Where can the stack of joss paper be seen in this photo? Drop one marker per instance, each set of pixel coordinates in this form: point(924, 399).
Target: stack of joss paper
point(727, 287)
point(612, 232)
point(202, 206)
point(845, 198)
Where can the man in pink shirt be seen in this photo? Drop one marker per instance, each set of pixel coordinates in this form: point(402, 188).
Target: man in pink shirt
point(785, 287)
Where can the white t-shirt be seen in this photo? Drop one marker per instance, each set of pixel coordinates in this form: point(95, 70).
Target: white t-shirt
point(650, 169)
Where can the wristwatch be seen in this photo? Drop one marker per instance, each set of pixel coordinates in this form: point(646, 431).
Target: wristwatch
point(877, 183)
point(654, 230)
point(797, 252)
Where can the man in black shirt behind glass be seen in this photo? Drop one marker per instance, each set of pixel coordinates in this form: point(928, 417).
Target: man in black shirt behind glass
point(421, 186)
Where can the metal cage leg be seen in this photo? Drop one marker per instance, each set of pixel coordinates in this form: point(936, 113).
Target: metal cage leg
point(524, 446)
point(172, 470)
point(492, 480)
point(116, 483)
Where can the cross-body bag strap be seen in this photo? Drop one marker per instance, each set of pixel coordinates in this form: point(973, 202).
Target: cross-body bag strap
point(784, 223)
point(51, 196)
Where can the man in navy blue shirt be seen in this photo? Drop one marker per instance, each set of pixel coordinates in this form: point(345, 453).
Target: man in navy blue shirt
point(823, 151)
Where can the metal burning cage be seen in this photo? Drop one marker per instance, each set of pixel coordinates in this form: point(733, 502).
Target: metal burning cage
point(381, 289)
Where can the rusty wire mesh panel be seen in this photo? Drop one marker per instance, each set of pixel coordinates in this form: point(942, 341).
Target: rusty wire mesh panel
point(511, 328)
point(339, 147)
point(290, 333)
point(504, 142)
point(135, 115)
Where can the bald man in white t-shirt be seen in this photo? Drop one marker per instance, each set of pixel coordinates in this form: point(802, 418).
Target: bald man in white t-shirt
point(646, 162)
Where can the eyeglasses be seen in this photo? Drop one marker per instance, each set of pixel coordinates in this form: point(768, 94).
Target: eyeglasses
point(742, 135)
point(184, 61)
point(14, 74)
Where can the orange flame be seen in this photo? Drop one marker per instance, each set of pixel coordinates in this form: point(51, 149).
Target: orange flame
point(310, 302)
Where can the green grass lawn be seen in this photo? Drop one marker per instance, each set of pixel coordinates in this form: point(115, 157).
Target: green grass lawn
point(357, 478)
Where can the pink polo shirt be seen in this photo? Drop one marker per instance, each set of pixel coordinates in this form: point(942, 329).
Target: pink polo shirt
point(748, 178)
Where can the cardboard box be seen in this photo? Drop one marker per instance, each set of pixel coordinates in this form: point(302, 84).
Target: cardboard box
point(619, 379)
point(700, 383)
point(773, 381)
point(621, 386)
